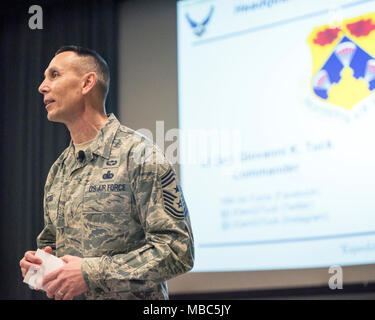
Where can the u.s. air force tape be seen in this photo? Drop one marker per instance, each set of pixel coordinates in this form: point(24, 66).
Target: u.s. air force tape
point(173, 199)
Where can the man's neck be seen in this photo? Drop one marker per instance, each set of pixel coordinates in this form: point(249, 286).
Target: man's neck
point(86, 127)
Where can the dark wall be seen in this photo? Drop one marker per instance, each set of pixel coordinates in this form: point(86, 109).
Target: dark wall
point(29, 143)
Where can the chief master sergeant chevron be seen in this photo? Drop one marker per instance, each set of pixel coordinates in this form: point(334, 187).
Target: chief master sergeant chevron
point(113, 210)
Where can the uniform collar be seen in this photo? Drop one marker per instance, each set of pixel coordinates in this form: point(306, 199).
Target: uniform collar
point(102, 143)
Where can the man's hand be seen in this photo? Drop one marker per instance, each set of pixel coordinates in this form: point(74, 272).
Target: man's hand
point(67, 281)
point(30, 260)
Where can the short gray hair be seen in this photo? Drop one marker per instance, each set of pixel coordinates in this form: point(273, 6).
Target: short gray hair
point(100, 65)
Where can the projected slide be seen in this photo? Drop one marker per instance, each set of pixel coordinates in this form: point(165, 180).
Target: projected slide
point(277, 132)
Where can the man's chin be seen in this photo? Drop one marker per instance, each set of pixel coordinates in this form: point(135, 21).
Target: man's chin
point(51, 116)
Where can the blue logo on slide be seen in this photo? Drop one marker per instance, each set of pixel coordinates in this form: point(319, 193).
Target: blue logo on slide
point(199, 27)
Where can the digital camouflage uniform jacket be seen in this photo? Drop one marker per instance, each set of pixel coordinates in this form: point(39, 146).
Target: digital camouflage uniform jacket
point(122, 211)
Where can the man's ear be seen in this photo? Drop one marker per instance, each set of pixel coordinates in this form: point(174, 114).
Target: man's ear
point(89, 82)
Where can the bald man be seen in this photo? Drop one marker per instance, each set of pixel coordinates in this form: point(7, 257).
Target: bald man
point(113, 209)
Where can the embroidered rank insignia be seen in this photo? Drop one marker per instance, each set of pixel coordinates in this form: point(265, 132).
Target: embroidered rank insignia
point(173, 198)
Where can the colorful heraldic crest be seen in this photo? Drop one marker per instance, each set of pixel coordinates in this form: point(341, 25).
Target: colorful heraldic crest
point(343, 57)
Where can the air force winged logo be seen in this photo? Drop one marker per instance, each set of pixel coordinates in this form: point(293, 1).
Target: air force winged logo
point(199, 27)
point(344, 61)
point(173, 198)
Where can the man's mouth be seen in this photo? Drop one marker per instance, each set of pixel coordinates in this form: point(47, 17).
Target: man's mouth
point(47, 102)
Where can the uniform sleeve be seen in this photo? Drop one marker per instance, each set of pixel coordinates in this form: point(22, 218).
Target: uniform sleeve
point(168, 250)
point(47, 236)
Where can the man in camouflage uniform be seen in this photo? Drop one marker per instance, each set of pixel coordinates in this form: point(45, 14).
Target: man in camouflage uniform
point(113, 211)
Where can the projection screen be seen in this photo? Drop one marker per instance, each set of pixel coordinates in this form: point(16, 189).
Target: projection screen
point(276, 126)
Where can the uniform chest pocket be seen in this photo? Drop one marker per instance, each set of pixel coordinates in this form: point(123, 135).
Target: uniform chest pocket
point(111, 198)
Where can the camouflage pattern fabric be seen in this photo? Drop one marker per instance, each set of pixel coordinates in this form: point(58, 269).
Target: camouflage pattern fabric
point(121, 210)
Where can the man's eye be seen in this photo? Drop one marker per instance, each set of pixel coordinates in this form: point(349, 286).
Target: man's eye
point(54, 74)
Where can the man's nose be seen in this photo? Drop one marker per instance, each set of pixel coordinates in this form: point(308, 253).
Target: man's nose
point(43, 88)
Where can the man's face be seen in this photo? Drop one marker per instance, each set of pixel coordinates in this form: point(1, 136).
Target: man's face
point(62, 88)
